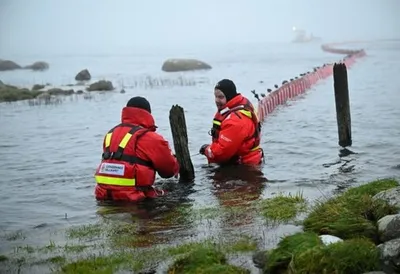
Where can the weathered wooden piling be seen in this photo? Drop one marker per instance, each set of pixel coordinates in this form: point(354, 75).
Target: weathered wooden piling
point(180, 137)
point(342, 104)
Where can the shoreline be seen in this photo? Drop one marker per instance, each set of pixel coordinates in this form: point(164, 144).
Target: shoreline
point(108, 245)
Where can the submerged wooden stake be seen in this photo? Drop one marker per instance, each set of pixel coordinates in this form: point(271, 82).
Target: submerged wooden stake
point(179, 134)
point(342, 104)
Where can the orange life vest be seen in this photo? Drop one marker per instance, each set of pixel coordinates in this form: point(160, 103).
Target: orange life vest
point(119, 161)
point(245, 109)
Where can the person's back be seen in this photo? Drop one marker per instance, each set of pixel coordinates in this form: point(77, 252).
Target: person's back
point(132, 154)
point(236, 130)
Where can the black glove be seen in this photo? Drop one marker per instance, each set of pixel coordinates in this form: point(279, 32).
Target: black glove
point(203, 149)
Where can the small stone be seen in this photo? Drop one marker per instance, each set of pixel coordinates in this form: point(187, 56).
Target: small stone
point(329, 239)
point(260, 259)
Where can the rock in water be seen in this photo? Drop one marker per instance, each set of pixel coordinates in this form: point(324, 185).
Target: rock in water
point(38, 66)
point(8, 65)
point(37, 87)
point(175, 65)
point(58, 91)
point(101, 85)
point(83, 75)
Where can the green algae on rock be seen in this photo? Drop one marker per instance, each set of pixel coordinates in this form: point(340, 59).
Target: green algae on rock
point(96, 264)
point(352, 216)
point(290, 246)
point(239, 244)
point(204, 260)
point(353, 213)
point(10, 93)
point(349, 256)
point(305, 253)
point(283, 208)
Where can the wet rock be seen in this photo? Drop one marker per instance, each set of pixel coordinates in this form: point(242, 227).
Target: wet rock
point(175, 65)
point(9, 93)
point(260, 259)
point(59, 91)
point(392, 196)
point(390, 256)
point(122, 91)
point(101, 85)
point(79, 92)
point(83, 75)
point(8, 65)
point(329, 239)
point(389, 227)
point(37, 87)
point(38, 66)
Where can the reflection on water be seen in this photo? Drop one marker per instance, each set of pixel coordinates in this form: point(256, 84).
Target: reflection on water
point(233, 186)
point(236, 184)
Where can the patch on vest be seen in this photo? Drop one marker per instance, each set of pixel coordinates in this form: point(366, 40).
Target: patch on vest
point(112, 169)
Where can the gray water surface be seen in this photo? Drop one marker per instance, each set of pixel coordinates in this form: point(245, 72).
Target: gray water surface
point(49, 153)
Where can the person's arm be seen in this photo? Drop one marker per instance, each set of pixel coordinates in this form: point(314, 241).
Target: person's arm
point(159, 152)
point(231, 136)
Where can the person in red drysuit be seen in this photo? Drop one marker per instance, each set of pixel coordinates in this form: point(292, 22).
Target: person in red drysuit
point(132, 154)
point(236, 129)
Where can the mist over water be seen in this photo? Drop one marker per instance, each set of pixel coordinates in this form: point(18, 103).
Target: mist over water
point(44, 27)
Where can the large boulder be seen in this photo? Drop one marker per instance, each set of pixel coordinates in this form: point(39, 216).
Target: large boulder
point(390, 256)
point(83, 75)
point(174, 65)
point(389, 227)
point(392, 196)
point(101, 85)
point(8, 65)
point(38, 66)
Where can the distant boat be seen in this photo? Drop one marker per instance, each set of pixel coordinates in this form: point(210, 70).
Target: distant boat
point(302, 37)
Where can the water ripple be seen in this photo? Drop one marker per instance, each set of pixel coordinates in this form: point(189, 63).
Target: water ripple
point(49, 153)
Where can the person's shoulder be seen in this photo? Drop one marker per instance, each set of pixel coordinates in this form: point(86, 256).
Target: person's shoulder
point(247, 101)
point(153, 136)
point(233, 118)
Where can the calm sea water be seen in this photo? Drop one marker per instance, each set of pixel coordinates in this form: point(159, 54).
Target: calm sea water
point(49, 153)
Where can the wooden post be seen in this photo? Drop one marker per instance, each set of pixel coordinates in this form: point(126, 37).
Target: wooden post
point(342, 104)
point(180, 137)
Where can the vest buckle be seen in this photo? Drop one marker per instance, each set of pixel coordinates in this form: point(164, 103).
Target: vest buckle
point(106, 155)
point(117, 155)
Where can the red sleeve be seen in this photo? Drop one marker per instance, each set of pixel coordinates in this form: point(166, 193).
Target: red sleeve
point(231, 136)
point(157, 149)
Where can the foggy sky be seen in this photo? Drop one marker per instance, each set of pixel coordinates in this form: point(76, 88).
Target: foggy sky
point(60, 26)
